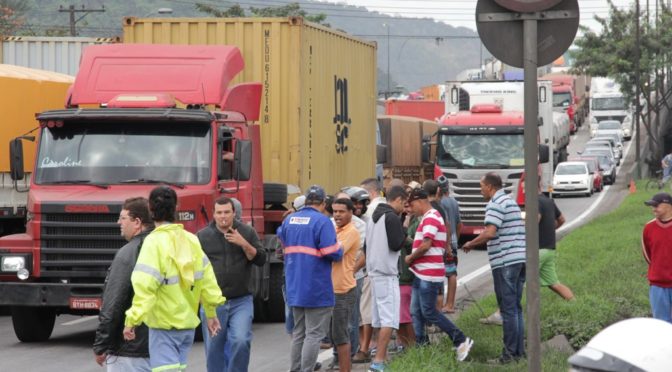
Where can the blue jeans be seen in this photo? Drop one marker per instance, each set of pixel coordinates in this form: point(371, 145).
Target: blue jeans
point(168, 348)
point(661, 303)
point(666, 173)
point(230, 349)
point(509, 282)
point(424, 312)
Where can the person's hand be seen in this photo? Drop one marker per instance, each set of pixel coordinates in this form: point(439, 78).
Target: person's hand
point(214, 326)
point(467, 246)
point(129, 333)
point(100, 358)
point(408, 259)
point(407, 221)
point(449, 253)
point(233, 236)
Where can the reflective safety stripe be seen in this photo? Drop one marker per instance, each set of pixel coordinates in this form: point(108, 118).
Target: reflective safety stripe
point(198, 275)
point(301, 249)
point(171, 280)
point(206, 261)
point(149, 271)
point(183, 367)
point(170, 368)
point(330, 249)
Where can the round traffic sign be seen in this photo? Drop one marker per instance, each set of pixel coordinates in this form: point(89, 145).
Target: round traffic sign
point(527, 6)
point(504, 38)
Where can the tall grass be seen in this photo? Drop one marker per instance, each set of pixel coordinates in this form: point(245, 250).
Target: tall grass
point(601, 262)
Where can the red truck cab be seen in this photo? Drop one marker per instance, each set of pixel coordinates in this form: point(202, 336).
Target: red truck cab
point(136, 116)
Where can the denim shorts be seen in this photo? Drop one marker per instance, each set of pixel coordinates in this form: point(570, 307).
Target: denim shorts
point(340, 318)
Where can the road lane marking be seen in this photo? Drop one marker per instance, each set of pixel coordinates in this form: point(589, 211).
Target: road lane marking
point(80, 320)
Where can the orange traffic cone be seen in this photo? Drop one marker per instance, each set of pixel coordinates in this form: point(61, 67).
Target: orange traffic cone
point(633, 187)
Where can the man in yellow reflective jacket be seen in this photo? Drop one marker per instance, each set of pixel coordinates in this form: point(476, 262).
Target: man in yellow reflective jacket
point(171, 276)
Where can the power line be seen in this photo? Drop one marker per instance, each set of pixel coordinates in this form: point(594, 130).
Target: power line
point(73, 22)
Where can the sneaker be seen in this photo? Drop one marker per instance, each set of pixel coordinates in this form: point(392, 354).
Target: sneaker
point(463, 350)
point(333, 365)
point(377, 367)
point(318, 365)
point(493, 319)
point(361, 357)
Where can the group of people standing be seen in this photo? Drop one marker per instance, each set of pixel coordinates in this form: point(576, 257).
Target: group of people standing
point(157, 281)
point(359, 266)
point(360, 263)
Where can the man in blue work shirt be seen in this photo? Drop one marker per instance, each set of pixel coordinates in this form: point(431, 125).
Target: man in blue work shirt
point(310, 247)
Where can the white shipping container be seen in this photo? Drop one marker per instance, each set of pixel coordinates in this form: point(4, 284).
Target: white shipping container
point(57, 54)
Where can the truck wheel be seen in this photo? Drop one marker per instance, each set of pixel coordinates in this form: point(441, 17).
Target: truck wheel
point(33, 324)
point(275, 306)
point(275, 193)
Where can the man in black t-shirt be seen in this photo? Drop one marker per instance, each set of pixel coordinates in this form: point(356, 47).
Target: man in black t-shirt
point(550, 219)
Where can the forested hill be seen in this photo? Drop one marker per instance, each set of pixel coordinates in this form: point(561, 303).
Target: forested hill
point(421, 51)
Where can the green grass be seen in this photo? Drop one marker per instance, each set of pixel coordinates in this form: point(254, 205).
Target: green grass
point(603, 265)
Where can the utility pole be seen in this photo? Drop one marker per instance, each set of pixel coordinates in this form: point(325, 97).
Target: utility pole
point(638, 106)
point(71, 9)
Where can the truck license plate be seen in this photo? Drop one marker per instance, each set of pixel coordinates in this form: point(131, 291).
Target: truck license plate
point(85, 303)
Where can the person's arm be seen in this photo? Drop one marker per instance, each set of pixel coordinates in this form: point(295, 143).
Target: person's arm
point(396, 234)
point(328, 246)
point(146, 280)
point(488, 234)
point(117, 289)
point(361, 261)
point(645, 248)
point(559, 221)
point(420, 251)
point(252, 248)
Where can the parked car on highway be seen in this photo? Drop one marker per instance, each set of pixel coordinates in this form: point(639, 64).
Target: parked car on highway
point(594, 168)
point(607, 164)
point(605, 142)
point(608, 126)
point(572, 178)
point(602, 149)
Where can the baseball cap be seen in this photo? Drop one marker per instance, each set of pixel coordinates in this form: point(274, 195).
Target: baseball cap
point(299, 202)
point(417, 194)
point(443, 182)
point(659, 198)
point(315, 193)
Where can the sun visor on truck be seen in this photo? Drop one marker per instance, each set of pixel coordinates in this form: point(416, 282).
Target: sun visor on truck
point(197, 74)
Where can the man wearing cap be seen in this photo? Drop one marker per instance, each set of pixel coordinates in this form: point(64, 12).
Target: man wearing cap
point(310, 247)
point(657, 248)
point(426, 262)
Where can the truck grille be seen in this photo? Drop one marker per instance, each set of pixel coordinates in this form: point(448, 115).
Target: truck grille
point(620, 118)
point(79, 245)
point(471, 202)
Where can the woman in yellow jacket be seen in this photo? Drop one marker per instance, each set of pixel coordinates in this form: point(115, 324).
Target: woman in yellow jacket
point(171, 276)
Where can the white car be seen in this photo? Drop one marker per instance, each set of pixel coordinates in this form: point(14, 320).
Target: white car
point(572, 178)
point(608, 126)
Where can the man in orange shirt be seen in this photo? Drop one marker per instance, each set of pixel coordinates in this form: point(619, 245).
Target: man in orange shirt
point(343, 278)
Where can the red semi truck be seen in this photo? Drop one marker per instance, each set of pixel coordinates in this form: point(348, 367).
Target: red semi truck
point(428, 110)
point(136, 116)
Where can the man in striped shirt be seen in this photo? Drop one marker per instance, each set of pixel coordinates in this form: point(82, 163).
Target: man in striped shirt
point(504, 234)
point(426, 262)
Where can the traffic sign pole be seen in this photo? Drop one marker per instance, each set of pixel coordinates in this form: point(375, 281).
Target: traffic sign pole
point(531, 136)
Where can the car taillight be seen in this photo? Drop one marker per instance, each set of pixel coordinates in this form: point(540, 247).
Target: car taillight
point(570, 112)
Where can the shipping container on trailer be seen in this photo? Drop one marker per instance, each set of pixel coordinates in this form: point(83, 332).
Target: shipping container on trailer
point(24, 93)
point(318, 109)
point(57, 54)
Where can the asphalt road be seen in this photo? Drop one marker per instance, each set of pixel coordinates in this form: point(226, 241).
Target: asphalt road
point(69, 348)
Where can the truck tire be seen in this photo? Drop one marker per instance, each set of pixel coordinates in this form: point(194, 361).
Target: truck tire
point(275, 306)
point(33, 324)
point(275, 193)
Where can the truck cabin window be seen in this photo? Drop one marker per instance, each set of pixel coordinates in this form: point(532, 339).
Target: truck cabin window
point(111, 152)
point(481, 151)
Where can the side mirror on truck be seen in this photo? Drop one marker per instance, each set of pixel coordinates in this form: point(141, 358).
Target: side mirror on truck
point(425, 151)
point(243, 160)
point(381, 154)
point(16, 159)
point(544, 154)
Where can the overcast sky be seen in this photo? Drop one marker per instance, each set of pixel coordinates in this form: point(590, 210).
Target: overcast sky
point(461, 12)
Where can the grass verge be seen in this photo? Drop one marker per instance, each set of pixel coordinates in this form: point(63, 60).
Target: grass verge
point(603, 265)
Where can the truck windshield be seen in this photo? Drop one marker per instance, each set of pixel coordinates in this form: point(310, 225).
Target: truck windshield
point(114, 152)
point(485, 151)
point(562, 99)
point(610, 103)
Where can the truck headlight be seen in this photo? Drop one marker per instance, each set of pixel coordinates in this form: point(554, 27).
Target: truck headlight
point(593, 120)
point(13, 263)
point(627, 119)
